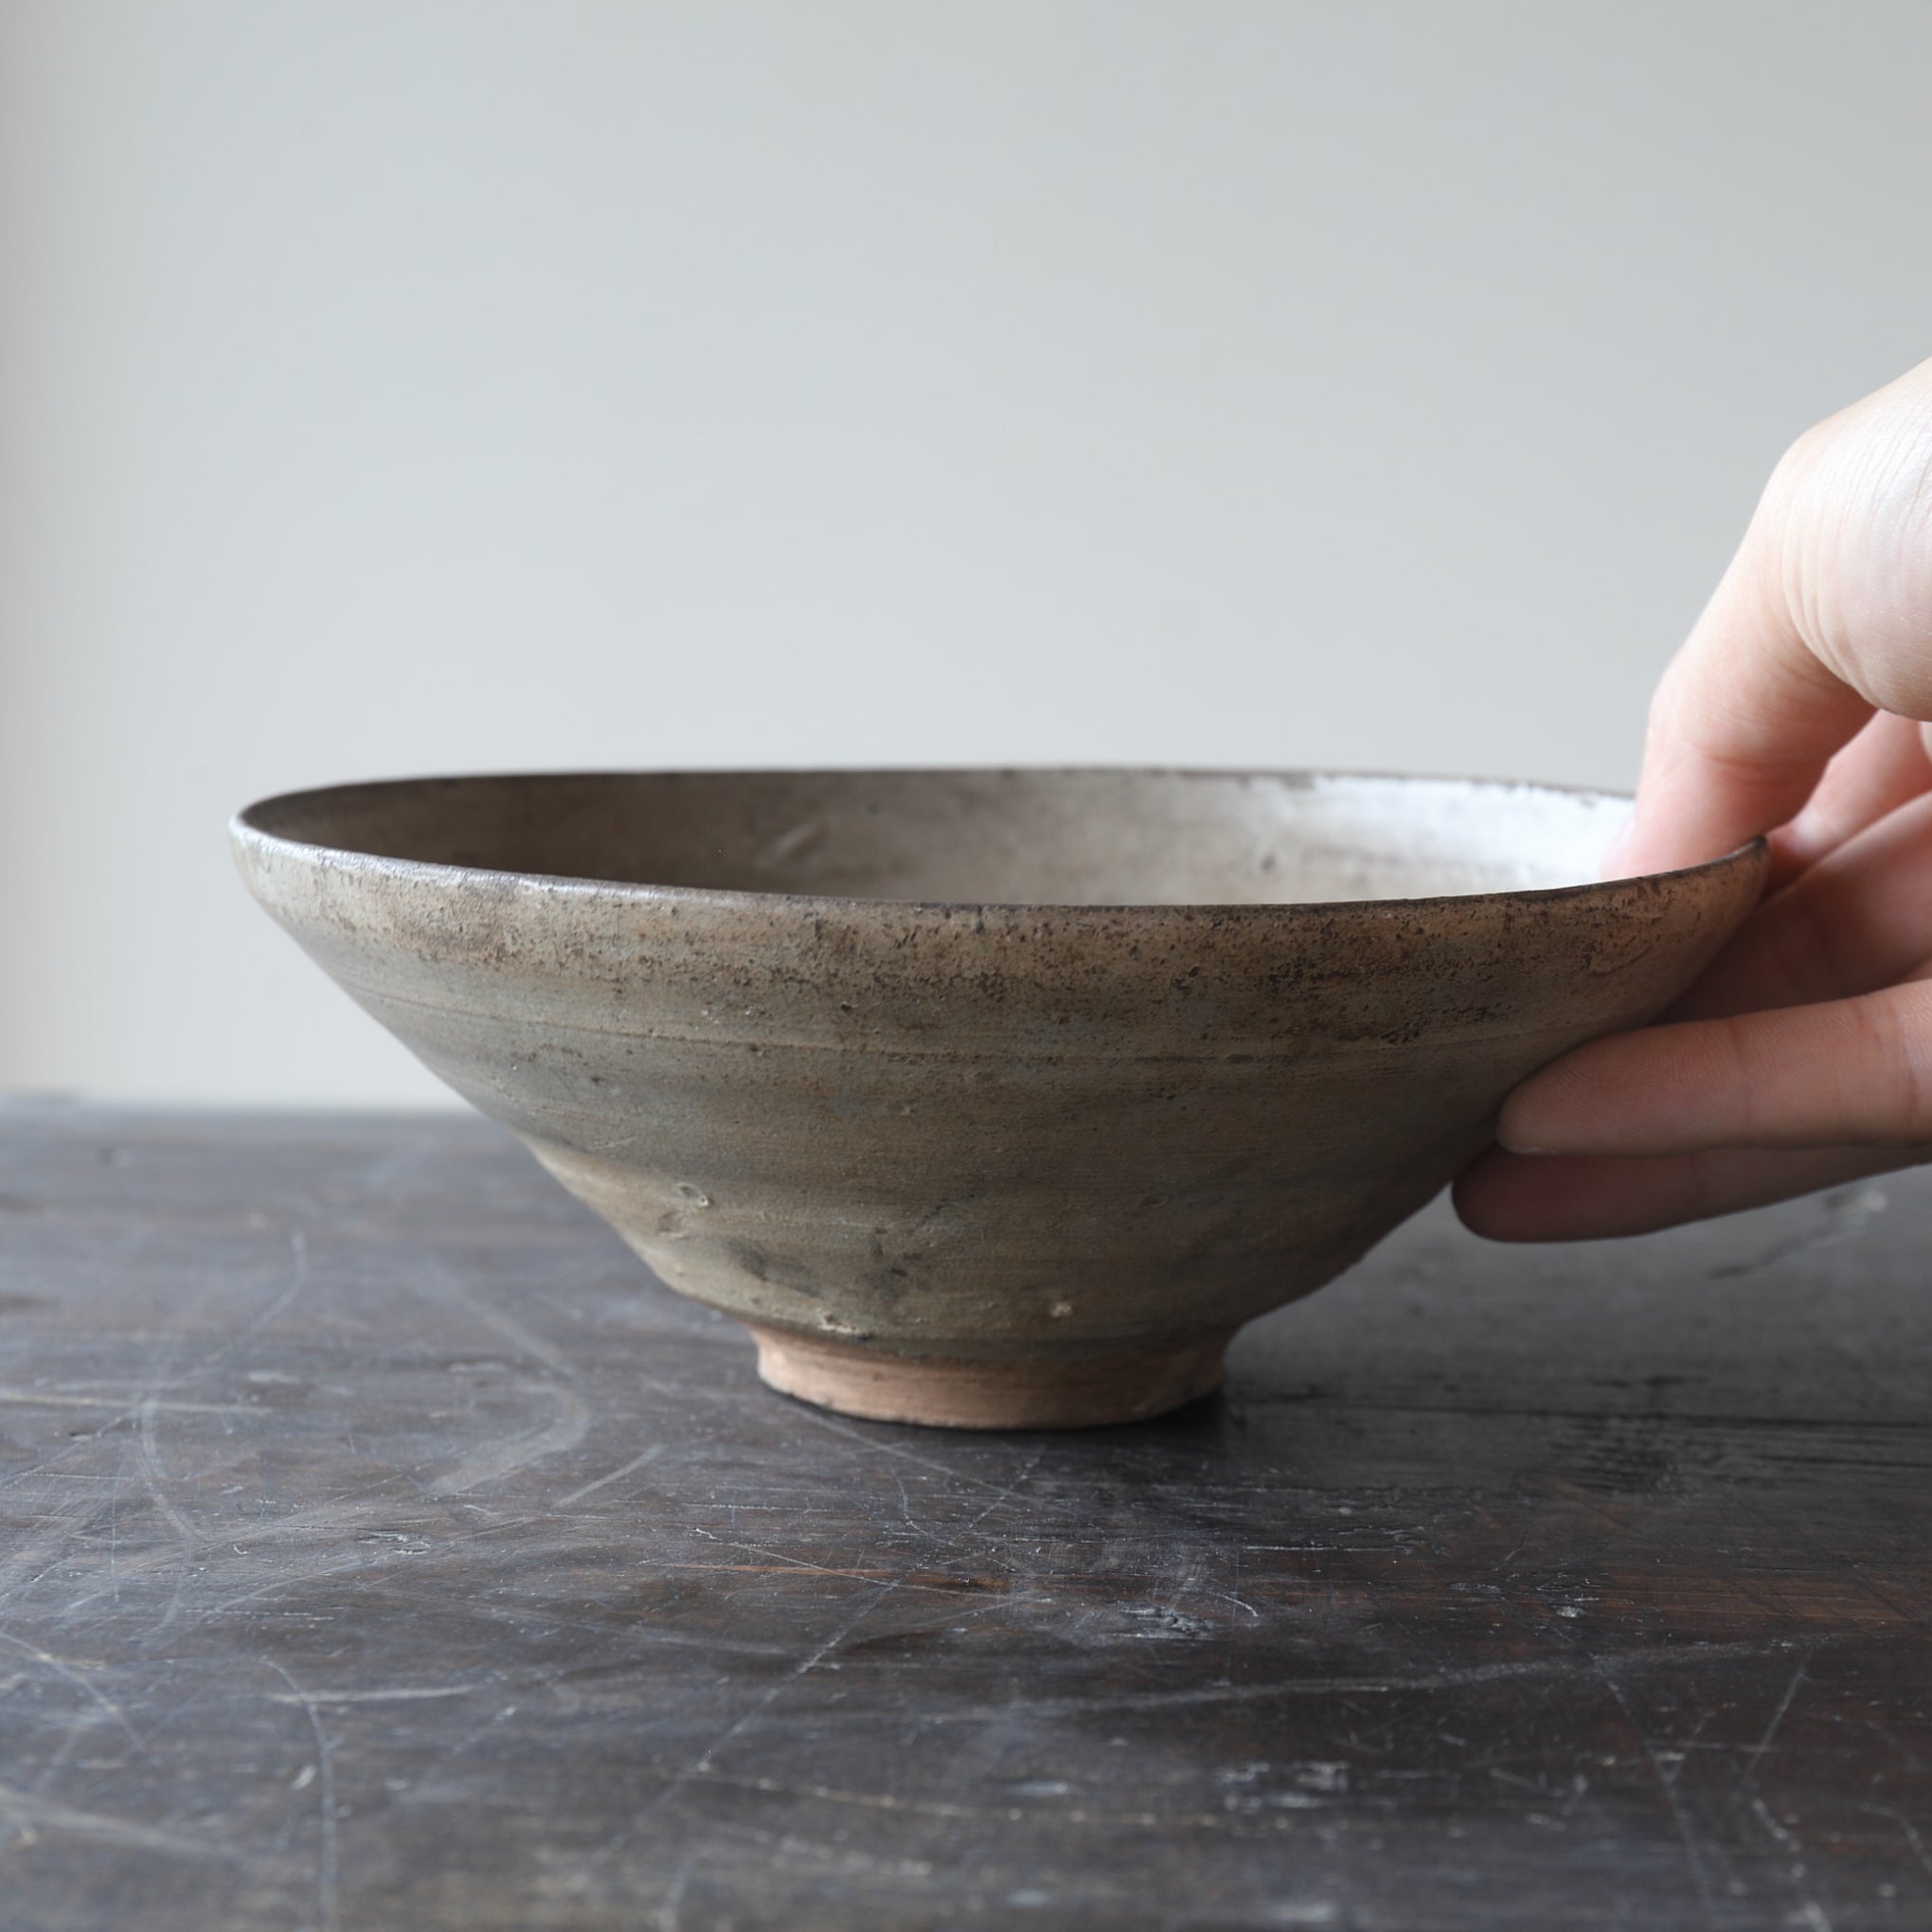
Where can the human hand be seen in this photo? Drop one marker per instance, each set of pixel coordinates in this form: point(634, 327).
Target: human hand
point(1803, 1058)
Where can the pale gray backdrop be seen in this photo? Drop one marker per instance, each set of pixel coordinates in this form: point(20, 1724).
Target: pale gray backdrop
point(403, 386)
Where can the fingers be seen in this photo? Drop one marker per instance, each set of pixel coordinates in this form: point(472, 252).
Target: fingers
point(1837, 1075)
point(1795, 1060)
point(1824, 1064)
point(1835, 1061)
point(1844, 1073)
point(1858, 920)
point(1824, 615)
point(1883, 768)
point(1557, 1197)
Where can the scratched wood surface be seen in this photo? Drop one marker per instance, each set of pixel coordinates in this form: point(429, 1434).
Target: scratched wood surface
point(383, 1547)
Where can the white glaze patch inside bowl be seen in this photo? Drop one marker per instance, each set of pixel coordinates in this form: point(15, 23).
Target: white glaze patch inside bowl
point(1013, 837)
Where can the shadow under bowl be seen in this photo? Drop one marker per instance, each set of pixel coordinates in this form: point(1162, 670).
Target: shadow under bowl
point(991, 1099)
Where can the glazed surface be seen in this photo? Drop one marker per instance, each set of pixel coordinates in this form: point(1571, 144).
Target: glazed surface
point(1068, 1123)
point(1074, 837)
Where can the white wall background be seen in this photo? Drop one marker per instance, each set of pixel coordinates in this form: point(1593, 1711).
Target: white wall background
point(406, 385)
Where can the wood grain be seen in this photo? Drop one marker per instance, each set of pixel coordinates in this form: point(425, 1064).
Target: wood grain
point(380, 1546)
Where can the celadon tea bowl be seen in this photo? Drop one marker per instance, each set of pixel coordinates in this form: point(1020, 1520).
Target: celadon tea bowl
point(994, 1098)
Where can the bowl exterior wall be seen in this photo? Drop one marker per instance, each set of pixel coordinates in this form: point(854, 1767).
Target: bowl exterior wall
point(1000, 1131)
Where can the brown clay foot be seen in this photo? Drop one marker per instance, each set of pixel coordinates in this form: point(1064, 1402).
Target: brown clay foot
point(952, 1392)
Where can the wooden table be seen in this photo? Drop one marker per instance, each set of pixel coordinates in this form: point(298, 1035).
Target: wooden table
point(384, 1548)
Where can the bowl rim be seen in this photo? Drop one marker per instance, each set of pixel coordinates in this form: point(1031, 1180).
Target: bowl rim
point(247, 833)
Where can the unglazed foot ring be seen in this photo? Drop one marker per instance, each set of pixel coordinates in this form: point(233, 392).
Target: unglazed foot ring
point(1016, 1392)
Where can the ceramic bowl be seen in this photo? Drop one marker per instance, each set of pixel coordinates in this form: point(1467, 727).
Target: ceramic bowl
point(994, 1098)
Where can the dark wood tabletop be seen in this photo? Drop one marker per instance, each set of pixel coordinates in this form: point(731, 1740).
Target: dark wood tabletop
point(383, 1547)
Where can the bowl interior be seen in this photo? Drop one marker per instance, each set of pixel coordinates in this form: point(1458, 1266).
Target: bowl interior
point(1079, 837)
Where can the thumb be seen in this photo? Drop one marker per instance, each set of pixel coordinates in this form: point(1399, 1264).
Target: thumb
point(1824, 615)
